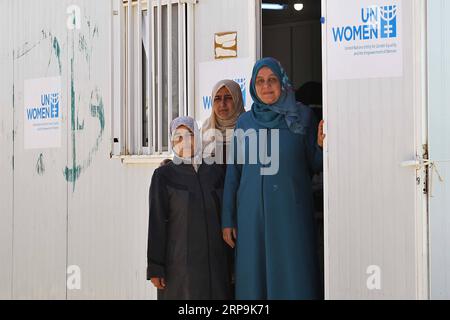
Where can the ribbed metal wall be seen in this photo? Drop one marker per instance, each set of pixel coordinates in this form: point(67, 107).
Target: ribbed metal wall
point(374, 206)
point(76, 206)
point(73, 205)
point(6, 148)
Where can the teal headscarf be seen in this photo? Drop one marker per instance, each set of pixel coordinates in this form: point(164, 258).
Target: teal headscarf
point(286, 109)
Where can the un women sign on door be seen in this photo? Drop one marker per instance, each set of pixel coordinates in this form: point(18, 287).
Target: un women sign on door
point(364, 39)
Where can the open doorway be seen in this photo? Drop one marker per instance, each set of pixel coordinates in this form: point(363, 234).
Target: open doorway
point(291, 33)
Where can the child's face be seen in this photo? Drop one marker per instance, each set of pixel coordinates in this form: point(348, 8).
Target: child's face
point(183, 142)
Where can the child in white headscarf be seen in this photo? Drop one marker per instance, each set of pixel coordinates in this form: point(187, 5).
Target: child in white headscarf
point(187, 258)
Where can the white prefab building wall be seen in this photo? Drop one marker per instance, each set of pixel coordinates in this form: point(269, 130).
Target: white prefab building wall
point(84, 204)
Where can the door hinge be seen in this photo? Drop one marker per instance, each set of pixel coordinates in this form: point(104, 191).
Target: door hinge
point(12, 162)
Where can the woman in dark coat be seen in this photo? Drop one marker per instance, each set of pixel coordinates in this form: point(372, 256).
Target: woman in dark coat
point(270, 217)
point(187, 257)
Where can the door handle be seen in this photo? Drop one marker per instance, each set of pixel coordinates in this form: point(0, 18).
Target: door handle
point(426, 163)
point(412, 163)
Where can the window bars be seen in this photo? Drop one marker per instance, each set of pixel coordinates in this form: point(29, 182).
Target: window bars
point(152, 71)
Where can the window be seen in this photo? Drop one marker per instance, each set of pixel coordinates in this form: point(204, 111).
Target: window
point(152, 64)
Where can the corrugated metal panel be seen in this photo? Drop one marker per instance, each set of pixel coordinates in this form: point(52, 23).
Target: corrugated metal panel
point(76, 206)
point(108, 209)
point(6, 150)
point(73, 205)
point(40, 201)
point(439, 145)
point(79, 207)
point(372, 217)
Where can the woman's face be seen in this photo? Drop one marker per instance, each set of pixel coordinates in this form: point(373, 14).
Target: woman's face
point(183, 142)
point(223, 104)
point(268, 87)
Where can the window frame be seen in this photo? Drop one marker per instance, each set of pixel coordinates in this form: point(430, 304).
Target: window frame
point(127, 75)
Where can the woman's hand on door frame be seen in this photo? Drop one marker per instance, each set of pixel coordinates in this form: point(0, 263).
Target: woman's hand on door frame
point(320, 135)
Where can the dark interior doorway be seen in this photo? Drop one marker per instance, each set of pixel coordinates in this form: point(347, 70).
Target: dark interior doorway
point(294, 38)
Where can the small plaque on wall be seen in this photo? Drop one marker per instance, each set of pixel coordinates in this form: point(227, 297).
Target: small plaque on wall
point(225, 45)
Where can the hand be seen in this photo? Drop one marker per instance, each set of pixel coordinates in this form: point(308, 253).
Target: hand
point(230, 236)
point(320, 135)
point(159, 283)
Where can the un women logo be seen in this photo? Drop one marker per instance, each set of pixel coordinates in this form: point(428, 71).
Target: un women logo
point(54, 105)
point(388, 21)
point(243, 84)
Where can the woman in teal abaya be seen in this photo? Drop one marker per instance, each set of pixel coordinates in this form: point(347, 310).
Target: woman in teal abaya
point(268, 216)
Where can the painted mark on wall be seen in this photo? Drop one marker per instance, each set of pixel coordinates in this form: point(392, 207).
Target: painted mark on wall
point(40, 167)
point(86, 42)
point(57, 51)
point(73, 20)
point(45, 37)
point(95, 105)
point(72, 174)
point(97, 111)
point(27, 47)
